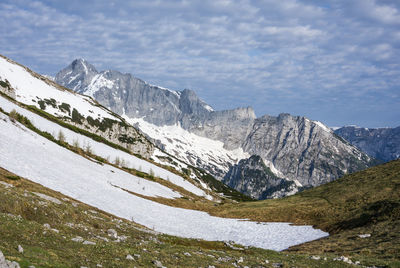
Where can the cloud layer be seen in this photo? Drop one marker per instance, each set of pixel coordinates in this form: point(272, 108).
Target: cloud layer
point(334, 61)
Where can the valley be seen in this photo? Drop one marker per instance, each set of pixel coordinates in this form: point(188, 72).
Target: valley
point(86, 185)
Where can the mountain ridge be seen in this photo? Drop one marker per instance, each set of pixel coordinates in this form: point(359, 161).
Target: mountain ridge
point(293, 147)
point(380, 143)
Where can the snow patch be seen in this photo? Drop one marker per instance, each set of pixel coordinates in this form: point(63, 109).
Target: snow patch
point(327, 129)
point(189, 147)
point(98, 82)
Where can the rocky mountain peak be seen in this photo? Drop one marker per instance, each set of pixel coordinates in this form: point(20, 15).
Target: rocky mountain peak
point(80, 65)
point(77, 75)
point(190, 103)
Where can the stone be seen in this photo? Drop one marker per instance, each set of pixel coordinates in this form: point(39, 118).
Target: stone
point(112, 233)
point(158, 264)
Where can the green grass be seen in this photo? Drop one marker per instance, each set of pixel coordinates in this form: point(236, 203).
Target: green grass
point(364, 202)
point(23, 215)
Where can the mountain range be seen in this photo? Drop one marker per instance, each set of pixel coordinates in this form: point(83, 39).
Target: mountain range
point(380, 143)
point(302, 152)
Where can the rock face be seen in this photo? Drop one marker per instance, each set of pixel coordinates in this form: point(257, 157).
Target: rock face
point(380, 143)
point(294, 148)
point(302, 149)
point(252, 177)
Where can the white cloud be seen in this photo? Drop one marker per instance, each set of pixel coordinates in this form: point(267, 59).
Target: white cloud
point(382, 13)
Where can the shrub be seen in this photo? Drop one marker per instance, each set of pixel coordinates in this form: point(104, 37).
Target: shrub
point(75, 143)
point(12, 177)
point(76, 116)
point(61, 136)
point(65, 107)
point(88, 149)
point(117, 161)
point(151, 173)
point(13, 115)
point(42, 104)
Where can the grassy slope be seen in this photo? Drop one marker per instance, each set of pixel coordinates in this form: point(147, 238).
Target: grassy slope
point(366, 202)
point(23, 215)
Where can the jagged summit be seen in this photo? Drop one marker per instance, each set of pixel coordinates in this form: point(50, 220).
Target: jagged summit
point(134, 97)
point(77, 75)
point(79, 64)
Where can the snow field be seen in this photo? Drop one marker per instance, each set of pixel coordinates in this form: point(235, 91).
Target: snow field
point(102, 149)
point(29, 155)
point(184, 144)
point(62, 163)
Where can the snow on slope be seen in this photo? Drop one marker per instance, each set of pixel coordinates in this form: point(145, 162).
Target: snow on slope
point(42, 165)
point(30, 90)
point(190, 147)
point(102, 149)
point(29, 155)
point(327, 129)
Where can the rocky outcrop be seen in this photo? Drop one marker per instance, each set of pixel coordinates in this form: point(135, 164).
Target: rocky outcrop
point(229, 126)
point(6, 88)
point(252, 177)
point(6, 263)
point(380, 143)
point(118, 133)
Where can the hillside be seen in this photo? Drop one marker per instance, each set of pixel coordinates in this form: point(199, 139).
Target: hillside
point(363, 203)
point(55, 230)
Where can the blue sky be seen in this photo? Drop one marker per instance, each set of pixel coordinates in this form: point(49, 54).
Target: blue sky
point(334, 61)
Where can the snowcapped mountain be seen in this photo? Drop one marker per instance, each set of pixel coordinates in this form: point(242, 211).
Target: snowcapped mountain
point(43, 141)
point(302, 152)
point(380, 143)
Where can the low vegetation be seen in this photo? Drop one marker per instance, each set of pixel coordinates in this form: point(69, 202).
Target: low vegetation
point(361, 212)
point(57, 231)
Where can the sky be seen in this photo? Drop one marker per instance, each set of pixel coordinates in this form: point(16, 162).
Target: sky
point(335, 61)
